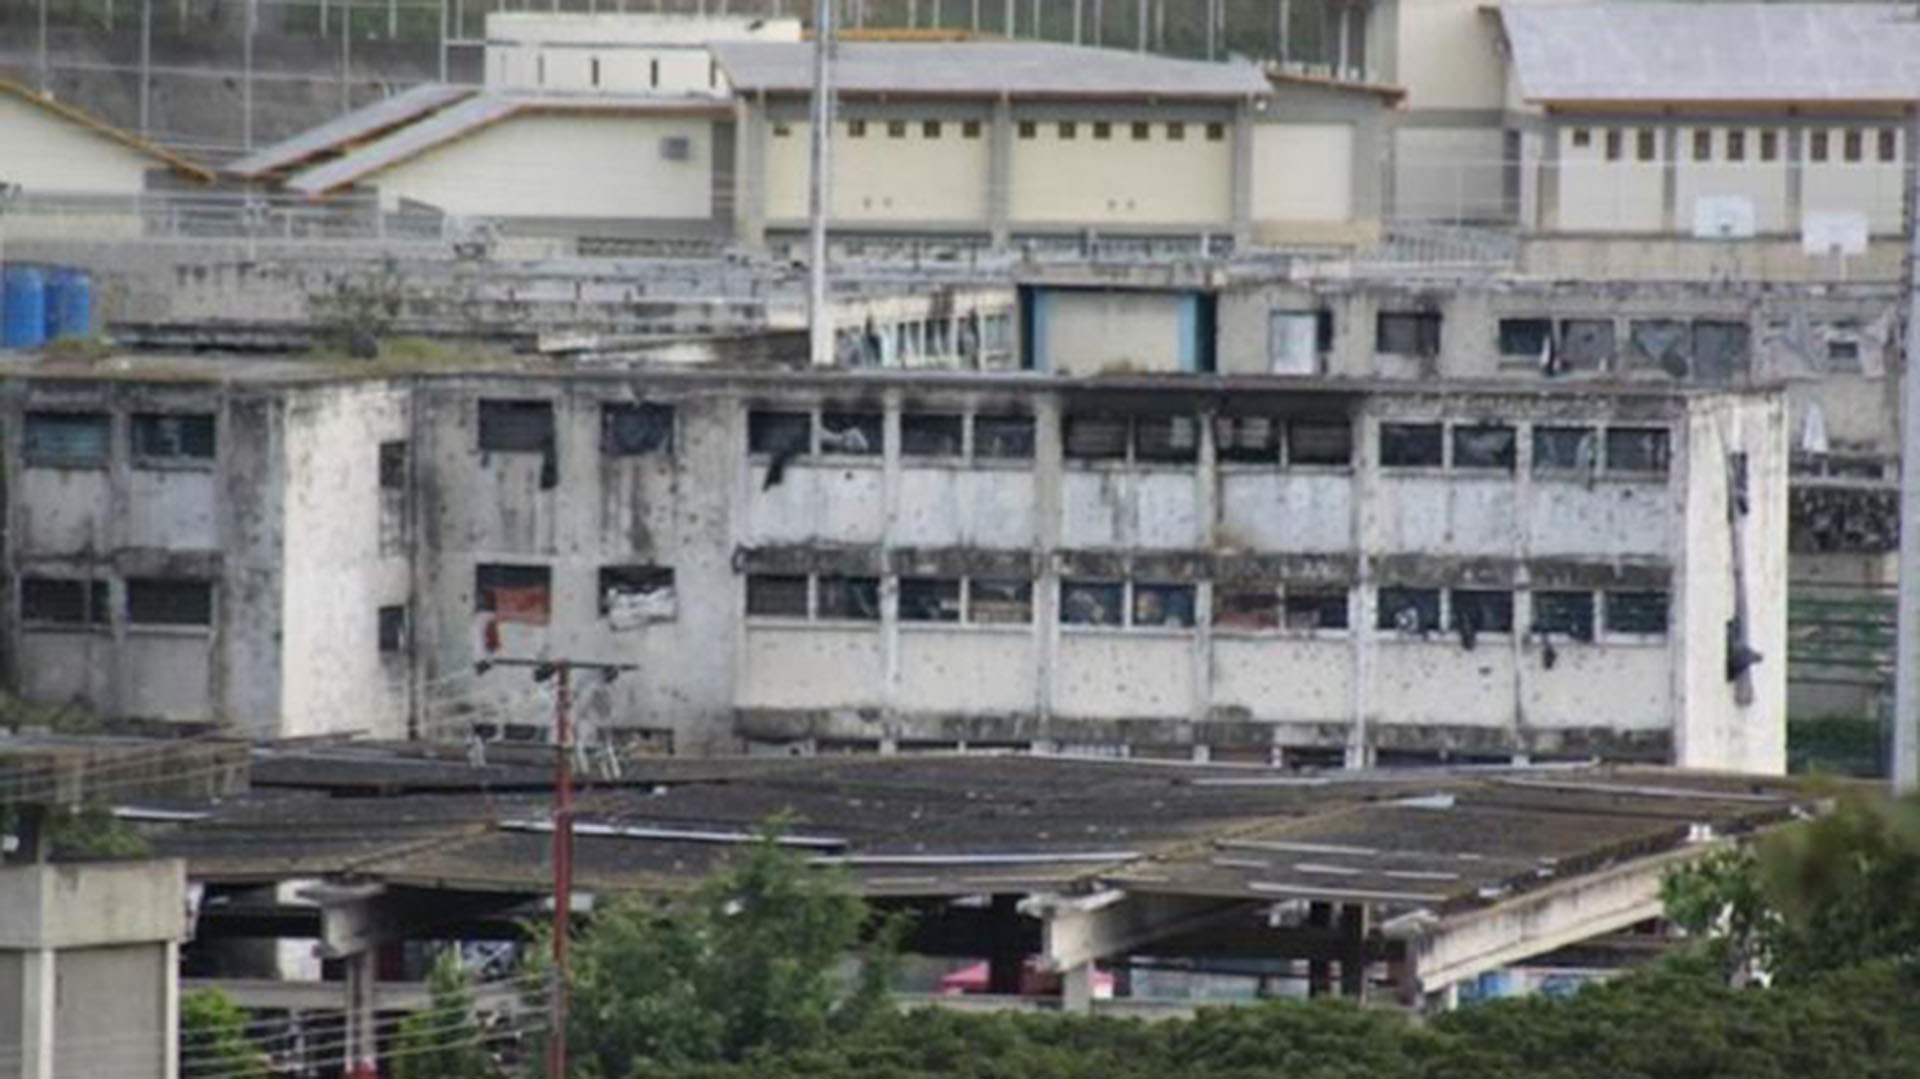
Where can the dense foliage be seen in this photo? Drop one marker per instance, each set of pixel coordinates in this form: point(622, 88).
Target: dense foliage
point(213, 1039)
point(443, 1041)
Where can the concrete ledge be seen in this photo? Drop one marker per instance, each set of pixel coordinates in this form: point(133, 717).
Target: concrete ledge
point(90, 904)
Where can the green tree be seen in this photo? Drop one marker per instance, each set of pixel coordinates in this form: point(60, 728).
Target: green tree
point(213, 1039)
point(444, 1040)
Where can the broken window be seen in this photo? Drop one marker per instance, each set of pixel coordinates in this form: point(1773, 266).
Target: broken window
point(1408, 333)
point(393, 465)
point(777, 595)
point(1636, 612)
point(999, 601)
point(629, 430)
point(173, 437)
point(853, 433)
point(1665, 344)
point(60, 601)
point(1720, 350)
point(1320, 442)
point(1565, 449)
point(522, 594)
point(636, 595)
point(67, 439)
point(1586, 344)
point(1409, 610)
point(1166, 438)
point(1482, 610)
point(1167, 605)
point(779, 433)
point(1488, 446)
point(1293, 342)
point(929, 599)
point(1096, 438)
point(1249, 439)
point(1003, 437)
point(158, 601)
point(1091, 603)
point(1526, 337)
point(1316, 608)
point(930, 435)
point(393, 629)
point(516, 426)
point(1569, 614)
point(1411, 445)
point(1246, 608)
point(1637, 449)
point(852, 598)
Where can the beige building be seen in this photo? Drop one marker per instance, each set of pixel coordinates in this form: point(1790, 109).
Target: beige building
point(55, 149)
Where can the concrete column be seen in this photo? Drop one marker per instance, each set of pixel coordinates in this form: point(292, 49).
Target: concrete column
point(1047, 510)
point(1000, 173)
point(38, 999)
point(1206, 499)
point(750, 173)
point(1670, 180)
point(1076, 989)
point(1242, 194)
point(1547, 213)
point(362, 1046)
point(1795, 150)
point(889, 583)
point(170, 1011)
point(1361, 601)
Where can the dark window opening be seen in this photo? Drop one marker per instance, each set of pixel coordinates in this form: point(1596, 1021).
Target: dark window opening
point(1003, 437)
point(1216, 132)
point(1637, 612)
point(1176, 132)
point(1616, 140)
point(856, 129)
point(1409, 610)
point(997, 602)
point(180, 437)
point(393, 629)
point(1246, 608)
point(1769, 145)
point(593, 66)
point(635, 595)
point(1407, 333)
point(1637, 449)
point(159, 602)
point(1817, 145)
point(516, 426)
point(1702, 144)
point(1028, 129)
point(63, 602)
point(850, 598)
point(931, 435)
point(856, 434)
point(1481, 610)
point(1569, 614)
point(1852, 145)
point(629, 430)
point(1736, 145)
point(1586, 344)
point(522, 594)
point(1720, 350)
point(1888, 144)
point(930, 129)
point(1527, 337)
point(1166, 438)
point(1645, 146)
point(67, 438)
point(929, 599)
point(1411, 445)
point(1142, 131)
point(1068, 129)
point(1665, 344)
point(1247, 439)
point(1565, 449)
point(393, 465)
point(1582, 137)
point(1102, 130)
point(1316, 608)
point(1320, 442)
point(970, 129)
point(779, 433)
point(777, 596)
point(1091, 603)
point(896, 129)
point(1168, 605)
point(1489, 446)
point(1099, 438)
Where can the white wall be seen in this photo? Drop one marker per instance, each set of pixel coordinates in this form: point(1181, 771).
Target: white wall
point(1600, 195)
point(47, 153)
point(1095, 332)
point(880, 177)
point(1155, 181)
point(640, 53)
point(1302, 172)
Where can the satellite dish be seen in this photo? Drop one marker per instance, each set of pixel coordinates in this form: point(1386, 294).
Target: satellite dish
point(1723, 217)
point(1828, 232)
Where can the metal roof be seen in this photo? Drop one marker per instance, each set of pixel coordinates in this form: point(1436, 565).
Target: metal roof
point(106, 130)
point(1714, 53)
point(984, 69)
point(355, 126)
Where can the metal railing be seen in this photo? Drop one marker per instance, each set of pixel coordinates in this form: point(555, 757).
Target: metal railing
point(235, 217)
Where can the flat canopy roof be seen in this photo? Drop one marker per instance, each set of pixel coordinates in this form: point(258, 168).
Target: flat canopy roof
point(984, 69)
point(954, 825)
point(1720, 53)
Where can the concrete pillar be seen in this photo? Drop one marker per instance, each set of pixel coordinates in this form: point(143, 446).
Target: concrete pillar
point(1000, 173)
point(362, 1044)
point(1076, 990)
point(1795, 150)
point(1670, 181)
point(1242, 175)
point(750, 173)
point(39, 997)
point(1047, 511)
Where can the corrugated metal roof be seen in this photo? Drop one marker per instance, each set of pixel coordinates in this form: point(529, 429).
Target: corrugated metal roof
point(359, 124)
point(470, 116)
point(1723, 52)
point(984, 69)
point(107, 130)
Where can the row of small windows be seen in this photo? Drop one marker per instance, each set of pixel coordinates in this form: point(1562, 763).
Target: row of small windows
point(1577, 449)
point(1064, 130)
point(146, 601)
point(1738, 144)
point(523, 594)
point(85, 439)
point(1128, 604)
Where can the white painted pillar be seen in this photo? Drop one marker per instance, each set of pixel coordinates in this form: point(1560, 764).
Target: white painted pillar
point(39, 998)
point(362, 1040)
point(1076, 989)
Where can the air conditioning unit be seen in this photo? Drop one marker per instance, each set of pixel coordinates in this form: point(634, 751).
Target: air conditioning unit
point(676, 148)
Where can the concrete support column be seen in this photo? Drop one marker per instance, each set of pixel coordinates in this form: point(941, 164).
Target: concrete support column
point(1000, 173)
point(1795, 150)
point(1670, 182)
point(1242, 195)
point(1048, 508)
point(1076, 989)
point(1362, 600)
point(38, 1000)
point(170, 1010)
point(362, 1045)
point(750, 174)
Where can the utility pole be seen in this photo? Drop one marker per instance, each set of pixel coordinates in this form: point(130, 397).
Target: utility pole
point(560, 672)
point(819, 197)
point(1905, 766)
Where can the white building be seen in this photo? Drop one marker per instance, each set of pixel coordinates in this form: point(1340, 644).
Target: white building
point(55, 149)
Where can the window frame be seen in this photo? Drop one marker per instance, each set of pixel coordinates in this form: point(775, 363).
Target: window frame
point(33, 457)
point(516, 576)
point(196, 441)
point(135, 596)
point(94, 613)
point(1610, 625)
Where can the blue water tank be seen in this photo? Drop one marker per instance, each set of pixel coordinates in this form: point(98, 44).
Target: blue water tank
point(23, 312)
point(69, 303)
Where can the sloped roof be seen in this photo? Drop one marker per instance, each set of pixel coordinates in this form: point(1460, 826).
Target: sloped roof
point(342, 131)
point(983, 69)
point(106, 130)
point(1714, 52)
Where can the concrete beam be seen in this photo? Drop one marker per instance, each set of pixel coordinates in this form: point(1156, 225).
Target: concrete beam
point(1076, 930)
